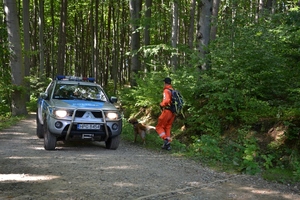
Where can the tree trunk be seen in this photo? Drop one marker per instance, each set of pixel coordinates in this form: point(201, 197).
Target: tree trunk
point(41, 37)
point(148, 5)
point(174, 39)
point(96, 49)
point(18, 95)
point(62, 37)
point(34, 41)
point(214, 19)
point(192, 24)
point(270, 5)
point(203, 31)
point(135, 8)
point(259, 10)
point(107, 49)
point(26, 45)
point(50, 68)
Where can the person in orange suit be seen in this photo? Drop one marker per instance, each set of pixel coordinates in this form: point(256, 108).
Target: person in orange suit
point(166, 119)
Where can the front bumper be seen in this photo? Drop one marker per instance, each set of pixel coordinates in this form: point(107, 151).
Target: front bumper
point(67, 128)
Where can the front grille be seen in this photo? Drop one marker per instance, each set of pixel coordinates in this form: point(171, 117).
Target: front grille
point(81, 113)
point(97, 114)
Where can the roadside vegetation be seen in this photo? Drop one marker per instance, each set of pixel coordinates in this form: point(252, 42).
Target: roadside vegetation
point(242, 114)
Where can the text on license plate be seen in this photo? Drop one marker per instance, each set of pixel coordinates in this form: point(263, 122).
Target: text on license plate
point(88, 126)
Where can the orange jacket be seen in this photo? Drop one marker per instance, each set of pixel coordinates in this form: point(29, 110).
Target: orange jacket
point(167, 98)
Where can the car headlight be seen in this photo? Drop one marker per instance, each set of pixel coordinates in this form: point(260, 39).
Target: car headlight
point(112, 115)
point(60, 113)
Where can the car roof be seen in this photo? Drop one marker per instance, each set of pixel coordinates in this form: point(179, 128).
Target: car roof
point(76, 83)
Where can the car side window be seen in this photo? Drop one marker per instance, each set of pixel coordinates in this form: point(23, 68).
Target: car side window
point(101, 96)
point(49, 90)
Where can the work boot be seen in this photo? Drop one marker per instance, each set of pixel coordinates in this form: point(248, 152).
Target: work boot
point(166, 145)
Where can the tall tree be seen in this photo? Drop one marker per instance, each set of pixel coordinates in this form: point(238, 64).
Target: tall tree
point(270, 5)
point(135, 8)
point(41, 36)
point(26, 42)
point(174, 38)
point(148, 4)
point(203, 30)
point(18, 97)
point(147, 36)
point(192, 24)
point(260, 10)
point(62, 37)
point(214, 19)
point(96, 50)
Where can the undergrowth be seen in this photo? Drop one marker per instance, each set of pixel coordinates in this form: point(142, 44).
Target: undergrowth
point(225, 126)
point(7, 121)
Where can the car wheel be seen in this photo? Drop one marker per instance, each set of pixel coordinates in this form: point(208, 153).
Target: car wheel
point(49, 139)
point(39, 128)
point(113, 142)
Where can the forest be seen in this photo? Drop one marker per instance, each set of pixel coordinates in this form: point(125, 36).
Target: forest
point(236, 63)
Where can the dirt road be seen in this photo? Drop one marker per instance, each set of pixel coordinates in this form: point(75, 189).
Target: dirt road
point(89, 171)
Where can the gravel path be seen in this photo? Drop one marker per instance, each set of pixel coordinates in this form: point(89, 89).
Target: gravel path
point(86, 170)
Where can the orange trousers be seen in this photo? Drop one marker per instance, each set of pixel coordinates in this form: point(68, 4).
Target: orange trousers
point(164, 124)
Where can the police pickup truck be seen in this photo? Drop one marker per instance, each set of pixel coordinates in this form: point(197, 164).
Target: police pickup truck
point(75, 108)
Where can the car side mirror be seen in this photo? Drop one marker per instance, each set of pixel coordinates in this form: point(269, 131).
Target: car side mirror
point(113, 99)
point(43, 95)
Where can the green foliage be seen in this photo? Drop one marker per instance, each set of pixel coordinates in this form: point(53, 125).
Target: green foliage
point(254, 77)
point(268, 161)
point(7, 121)
point(292, 134)
point(148, 94)
point(250, 164)
point(279, 175)
point(206, 148)
point(4, 108)
point(294, 159)
point(38, 85)
point(5, 90)
point(250, 80)
point(153, 141)
point(296, 171)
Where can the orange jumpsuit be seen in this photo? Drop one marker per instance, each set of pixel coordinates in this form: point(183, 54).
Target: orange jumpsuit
point(165, 120)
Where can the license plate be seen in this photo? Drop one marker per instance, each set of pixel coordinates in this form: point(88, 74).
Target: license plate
point(88, 126)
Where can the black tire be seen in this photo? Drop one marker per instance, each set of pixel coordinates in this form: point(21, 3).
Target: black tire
point(113, 142)
point(49, 139)
point(39, 128)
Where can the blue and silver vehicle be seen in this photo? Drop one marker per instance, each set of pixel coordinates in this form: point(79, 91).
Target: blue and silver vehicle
point(77, 108)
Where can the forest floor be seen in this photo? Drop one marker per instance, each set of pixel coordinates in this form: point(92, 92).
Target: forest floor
point(86, 170)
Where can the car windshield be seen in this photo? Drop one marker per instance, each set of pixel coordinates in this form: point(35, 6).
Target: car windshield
point(87, 92)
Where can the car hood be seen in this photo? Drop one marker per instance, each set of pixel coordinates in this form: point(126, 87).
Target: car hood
point(76, 103)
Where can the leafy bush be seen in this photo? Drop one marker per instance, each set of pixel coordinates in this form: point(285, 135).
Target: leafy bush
point(37, 86)
point(253, 78)
point(148, 94)
point(206, 148)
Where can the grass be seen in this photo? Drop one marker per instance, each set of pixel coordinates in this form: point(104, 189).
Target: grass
point(7, 121)
point(153, 142)
point(280, 175)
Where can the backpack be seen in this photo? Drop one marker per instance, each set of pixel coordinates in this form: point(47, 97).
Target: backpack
point(177, 102)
